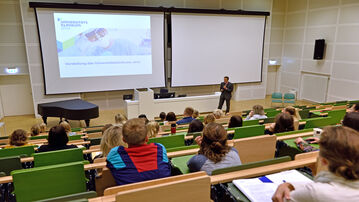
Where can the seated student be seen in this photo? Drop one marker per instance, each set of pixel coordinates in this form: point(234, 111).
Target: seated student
point(111, 138)
point(295, 114)
point(35, 130)
point(18, 138)
point(354, 108)
point(283, 123)
point(218, 113)
point(120, 119)
point(163, 116)
point(105, 127)
point(195, 114)
point(350, 120)
point(171, 117)
point(140, 161)
point(42, 127)
point(152, 129)
point(188, 112)
point(57, 140)
point(256, 113)
point(210, 118)
point(339, 180)
point(214, 153)
point(235, 121)
point(67, 128)
point(195, 126)
point(144, 117)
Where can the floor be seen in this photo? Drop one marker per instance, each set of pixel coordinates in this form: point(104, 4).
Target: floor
point(107, 116)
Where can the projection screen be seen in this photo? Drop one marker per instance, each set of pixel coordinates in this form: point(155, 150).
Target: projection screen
point(207, 47)
point(85, 50)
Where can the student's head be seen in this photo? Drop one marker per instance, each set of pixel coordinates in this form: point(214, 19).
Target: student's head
point(339, 151)
point(105, 127)
point(209, 119)
point(351, 120)
point(292, 111)
point(162, 116)
point(112, 137)
point(218, 113)
point(226, 79)
point(195, 114)
point(135, 132)
point(66, 126)
point(188, 111)
point(214, 142)
point(35, 130)
point(355, 108)
point(171, 116)
point(195, 126)
point(144, 117)
point(235, 121)
point(120, 119)
point(42, 127)
point(18, 138)
point(283, 123)
point(258, 109)
point(152, 129)
point(57, 136)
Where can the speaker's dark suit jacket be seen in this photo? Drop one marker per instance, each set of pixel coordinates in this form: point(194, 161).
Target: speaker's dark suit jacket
point(227, 94)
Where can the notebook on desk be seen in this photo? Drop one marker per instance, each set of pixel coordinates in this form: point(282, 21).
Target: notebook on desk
point(261, 189)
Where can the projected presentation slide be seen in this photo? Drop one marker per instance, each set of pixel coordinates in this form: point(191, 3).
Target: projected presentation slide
point(90, 45)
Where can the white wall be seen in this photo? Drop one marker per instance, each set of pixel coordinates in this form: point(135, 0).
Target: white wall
point(337, 21)
point(113, 100)
point(16, 98)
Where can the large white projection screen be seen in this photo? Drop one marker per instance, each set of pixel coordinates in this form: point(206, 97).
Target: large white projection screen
point(85, 51)
point(205, 48)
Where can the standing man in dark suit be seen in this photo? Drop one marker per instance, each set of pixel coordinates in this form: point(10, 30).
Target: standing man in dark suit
point(226, 95)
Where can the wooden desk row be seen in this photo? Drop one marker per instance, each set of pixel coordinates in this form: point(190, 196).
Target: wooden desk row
point(242, 174)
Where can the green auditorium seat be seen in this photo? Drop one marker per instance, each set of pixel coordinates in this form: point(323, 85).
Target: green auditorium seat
point(248, 131)
point(169, 141)
point(39, 137)
point(8, 164)
point(273, 113)
point(75, 137)
point(250, 122)
point(49, 181)
point(337, 115)
point(58, 157)
point(17, 151)
point(319, 122)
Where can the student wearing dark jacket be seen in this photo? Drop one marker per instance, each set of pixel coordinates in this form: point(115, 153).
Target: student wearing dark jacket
point(57, 140)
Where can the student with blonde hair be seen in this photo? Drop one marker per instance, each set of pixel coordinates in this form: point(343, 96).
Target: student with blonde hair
point(120, 119)
point(42, 127)
point(195, 114)
point(339, 178)
point(295, 114)
point(188, 112)
point(112, 137)
point(218, 113)
point(256, 113)
point(18, 138)
point(66, 126)
point(152, 129)
point(210, 118)
point(35, 130)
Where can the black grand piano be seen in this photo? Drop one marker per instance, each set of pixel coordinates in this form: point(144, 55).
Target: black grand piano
point(75, 109)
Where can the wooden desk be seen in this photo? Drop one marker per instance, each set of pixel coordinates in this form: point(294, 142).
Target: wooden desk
point(248, 173)
point(287, 137)
point(264, 170)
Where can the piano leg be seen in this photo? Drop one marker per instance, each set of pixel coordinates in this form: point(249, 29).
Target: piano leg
point(87, 121)
point(44, 119)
